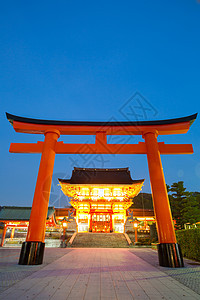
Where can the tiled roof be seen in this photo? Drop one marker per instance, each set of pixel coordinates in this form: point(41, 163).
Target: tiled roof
point(100, 176)
point(14, 213)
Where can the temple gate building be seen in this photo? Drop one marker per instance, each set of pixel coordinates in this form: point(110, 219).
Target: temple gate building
point(101, 197)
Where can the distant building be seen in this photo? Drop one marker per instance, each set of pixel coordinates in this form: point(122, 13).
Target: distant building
point(101, 197)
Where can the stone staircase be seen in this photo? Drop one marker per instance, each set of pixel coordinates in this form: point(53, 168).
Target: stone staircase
point(100, 240)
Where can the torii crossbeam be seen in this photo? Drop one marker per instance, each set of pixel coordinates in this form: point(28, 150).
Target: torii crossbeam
point(33, 249)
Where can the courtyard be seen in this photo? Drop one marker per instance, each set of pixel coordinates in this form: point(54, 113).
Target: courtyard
point(90, 273)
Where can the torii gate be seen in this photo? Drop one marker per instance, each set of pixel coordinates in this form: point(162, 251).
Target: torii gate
point(169, 251)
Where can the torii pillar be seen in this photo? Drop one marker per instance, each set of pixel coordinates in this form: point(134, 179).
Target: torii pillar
point(3, 235)
point(33, 249)
point(169, 252)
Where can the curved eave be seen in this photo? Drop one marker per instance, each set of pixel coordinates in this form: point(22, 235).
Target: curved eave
point(68, 182)
point(11, 118)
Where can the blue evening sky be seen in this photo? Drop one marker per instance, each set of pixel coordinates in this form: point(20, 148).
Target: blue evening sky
point(97, 60)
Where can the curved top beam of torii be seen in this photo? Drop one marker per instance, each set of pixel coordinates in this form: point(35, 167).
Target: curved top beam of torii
point(162, 127)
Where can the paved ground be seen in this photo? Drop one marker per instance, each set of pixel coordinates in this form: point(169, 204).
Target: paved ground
point(95, 274)
point(11, 272)
point(189, 276)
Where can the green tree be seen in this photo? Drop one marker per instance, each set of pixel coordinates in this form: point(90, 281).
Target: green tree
point(142, 200)
point(177, 198)
point(197, 196)
point(184, 205)
point(190, 211)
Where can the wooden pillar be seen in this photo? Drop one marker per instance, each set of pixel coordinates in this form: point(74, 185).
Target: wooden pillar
point(33, 249)
point(90, 222)
point(169, 250)
point(145, 224)
point(64, 233)
point(3, 235)
point(136, 238)
point(111, 223)
point(12, 233)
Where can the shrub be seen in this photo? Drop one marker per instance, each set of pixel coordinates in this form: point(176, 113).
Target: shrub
point(12, 242)
point(189, 241)
point(129, 232)
point(144, 241)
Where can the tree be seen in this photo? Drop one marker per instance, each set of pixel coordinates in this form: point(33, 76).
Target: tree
point(197, 196)
point(142, 200)
point(190, 210)
point(184, 205)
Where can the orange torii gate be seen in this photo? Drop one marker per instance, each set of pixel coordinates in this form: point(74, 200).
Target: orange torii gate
point(33, 249)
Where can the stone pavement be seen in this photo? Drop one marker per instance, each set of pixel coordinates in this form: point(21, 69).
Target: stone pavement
point(189, 276)
point(92, 273)
point(11, 272)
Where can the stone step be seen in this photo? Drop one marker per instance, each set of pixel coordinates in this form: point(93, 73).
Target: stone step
point(100, 240)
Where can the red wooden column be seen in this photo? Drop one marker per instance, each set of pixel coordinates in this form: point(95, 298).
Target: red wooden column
point(111, 226)
point(168, 249)
point(33, 249)
point(12, 233)
point(3, 235)
point(90, 222)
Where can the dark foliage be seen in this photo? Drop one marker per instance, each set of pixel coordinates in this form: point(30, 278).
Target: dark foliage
point(185, 206)
point(189, 241)
point(143, 200)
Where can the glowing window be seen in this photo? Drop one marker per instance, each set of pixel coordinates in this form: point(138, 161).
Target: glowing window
point(117, 192)
point(101, 192)
point(107, 192)
point(101, 206)
point(85, 192)
point(107, 218)
point(95, 192)
point(83, 206)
